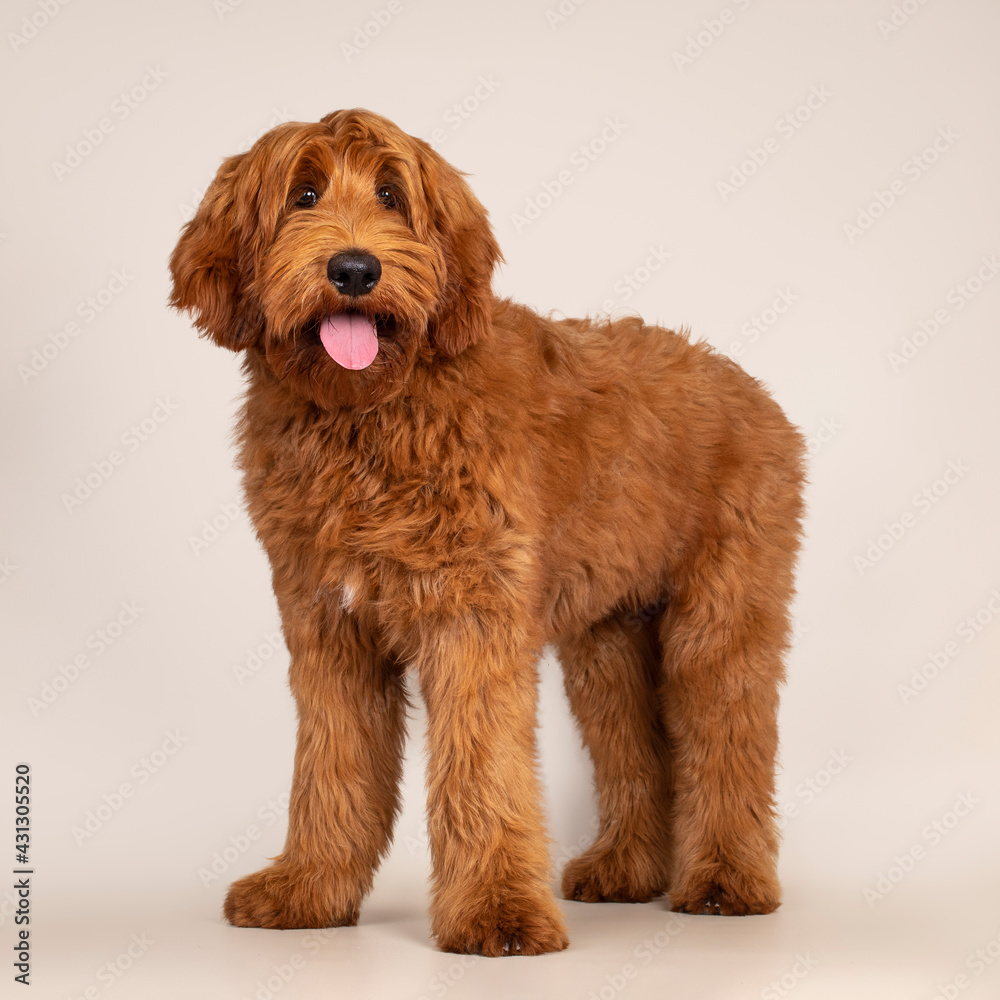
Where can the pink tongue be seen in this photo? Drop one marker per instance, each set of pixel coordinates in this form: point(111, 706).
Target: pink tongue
point(349, 338)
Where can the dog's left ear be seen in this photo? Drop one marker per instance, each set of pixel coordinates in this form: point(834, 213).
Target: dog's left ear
point(470, 253)
point(212, 262)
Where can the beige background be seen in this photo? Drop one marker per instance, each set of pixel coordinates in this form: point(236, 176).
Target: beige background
point(865, 775)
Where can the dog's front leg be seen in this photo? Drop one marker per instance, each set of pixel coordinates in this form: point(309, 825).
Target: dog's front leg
point(348, 761)
point(490, 852)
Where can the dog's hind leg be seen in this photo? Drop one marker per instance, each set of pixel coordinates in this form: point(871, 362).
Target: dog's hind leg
point(723, 637)
point(612, 673)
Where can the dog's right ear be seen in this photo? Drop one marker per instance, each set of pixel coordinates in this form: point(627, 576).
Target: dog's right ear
point(212, 263)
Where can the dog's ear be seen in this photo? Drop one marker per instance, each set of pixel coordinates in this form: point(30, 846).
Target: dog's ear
point(212, 262)
point(466, 241)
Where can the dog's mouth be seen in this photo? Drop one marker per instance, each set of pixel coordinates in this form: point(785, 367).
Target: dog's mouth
point(351, 338)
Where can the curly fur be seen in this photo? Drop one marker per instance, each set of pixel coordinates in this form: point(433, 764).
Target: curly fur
point(494, 481)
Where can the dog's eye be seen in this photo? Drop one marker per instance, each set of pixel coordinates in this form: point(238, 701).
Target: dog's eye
point(307, 197)
point(387, 196)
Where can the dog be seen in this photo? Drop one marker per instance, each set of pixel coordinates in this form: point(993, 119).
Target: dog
point(444, 482)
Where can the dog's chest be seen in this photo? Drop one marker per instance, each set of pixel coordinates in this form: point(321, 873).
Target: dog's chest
point(385, 528)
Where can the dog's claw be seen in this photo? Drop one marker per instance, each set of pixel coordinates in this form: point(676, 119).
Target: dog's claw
point(523, 928)
point(279, 897)
point(714, 899)
point(602, 876)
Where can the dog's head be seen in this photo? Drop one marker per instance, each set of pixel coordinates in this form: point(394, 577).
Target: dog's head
point(340, 252)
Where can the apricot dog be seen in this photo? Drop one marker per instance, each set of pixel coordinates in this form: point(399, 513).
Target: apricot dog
point(444, 482)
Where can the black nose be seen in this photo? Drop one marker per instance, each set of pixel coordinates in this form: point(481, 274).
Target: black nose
point(354, 272)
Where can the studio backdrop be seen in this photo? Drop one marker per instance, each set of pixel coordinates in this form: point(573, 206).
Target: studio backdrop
point(811, 188)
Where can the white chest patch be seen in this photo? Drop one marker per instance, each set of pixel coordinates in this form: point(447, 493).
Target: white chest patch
point(348, 596)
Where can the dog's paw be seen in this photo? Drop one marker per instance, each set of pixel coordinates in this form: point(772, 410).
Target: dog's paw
point(604, 876)
point(532, 926)
point(721, 896)
point(285, 896)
